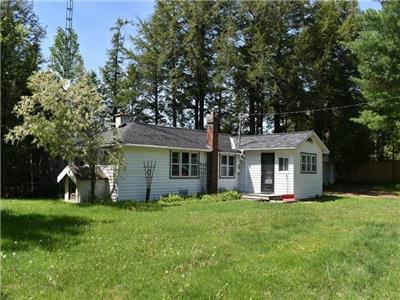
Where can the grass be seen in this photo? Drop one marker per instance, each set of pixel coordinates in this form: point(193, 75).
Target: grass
point(348, 247)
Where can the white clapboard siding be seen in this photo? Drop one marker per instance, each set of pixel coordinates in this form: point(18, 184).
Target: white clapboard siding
point(307, 185)
point(132, 183)
point(111, 172)
point(283, 181)
point(250, 172)
point(250, 175)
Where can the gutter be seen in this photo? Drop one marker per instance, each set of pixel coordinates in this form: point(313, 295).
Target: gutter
point(165, 147)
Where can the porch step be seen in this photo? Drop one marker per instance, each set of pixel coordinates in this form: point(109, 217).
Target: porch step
point(261, 197)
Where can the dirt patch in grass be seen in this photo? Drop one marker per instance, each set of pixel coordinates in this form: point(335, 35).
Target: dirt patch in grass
point(376, 190)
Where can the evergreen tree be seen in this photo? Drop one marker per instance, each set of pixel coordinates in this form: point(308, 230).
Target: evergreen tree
point(65, 58)
point(225, 60)
point(113, 71)
point(147, 59)
point(172, 38)
point(25, 169)
point(199, 23)
point(377, 49)
point(327, 67)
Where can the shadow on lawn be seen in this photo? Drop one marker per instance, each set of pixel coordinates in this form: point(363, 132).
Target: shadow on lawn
point(131, 205)
point(24, 231)
point(324, 198)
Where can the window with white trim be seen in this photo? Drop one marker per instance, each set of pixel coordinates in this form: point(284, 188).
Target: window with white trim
point(184, 164)
point(308, 163)
point(226, 166)
point(283, 164)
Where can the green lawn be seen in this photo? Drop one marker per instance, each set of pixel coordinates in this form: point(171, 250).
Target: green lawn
point(346, 248)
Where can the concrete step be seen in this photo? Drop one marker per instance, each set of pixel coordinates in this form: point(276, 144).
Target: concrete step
point(261, 197)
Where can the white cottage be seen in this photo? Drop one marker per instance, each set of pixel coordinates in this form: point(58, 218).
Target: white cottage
point(194, 161)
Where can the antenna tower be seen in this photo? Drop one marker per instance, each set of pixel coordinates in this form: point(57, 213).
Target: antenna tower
point(68, 31)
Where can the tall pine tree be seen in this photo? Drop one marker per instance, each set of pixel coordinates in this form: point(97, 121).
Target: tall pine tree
point(113, 71)
point(65, 58)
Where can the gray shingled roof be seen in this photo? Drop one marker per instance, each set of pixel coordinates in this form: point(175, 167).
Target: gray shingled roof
point(284, 140)
point(83, 172)
point(145, 134)
point(152, 135)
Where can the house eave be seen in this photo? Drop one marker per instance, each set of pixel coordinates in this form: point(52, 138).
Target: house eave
point(267, 149)
point(165, 147)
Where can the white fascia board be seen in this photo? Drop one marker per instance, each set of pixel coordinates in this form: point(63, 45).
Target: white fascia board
point(66, 171)
point(324, 148)
point(228, 153)
point(267, 149)
point(165, 147)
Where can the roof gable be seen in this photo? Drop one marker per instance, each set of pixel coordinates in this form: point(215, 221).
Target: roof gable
point(284, 140)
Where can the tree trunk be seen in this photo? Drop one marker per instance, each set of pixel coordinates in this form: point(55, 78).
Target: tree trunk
point(196, 112)
point(92, 168)
point(219, 108)
point(201, 111)
point(156, 113)
point(252, 120)
point(174, 113)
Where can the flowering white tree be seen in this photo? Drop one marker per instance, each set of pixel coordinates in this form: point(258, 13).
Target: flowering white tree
point(66, 119)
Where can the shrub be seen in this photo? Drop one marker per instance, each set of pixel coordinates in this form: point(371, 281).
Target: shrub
point(225, 196)
point(230, 195)
point(171, 198)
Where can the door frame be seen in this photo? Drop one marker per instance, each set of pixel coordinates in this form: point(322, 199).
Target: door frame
point(273, 173)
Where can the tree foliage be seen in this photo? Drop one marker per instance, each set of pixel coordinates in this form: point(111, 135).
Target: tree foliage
point(378, 49)
point(65, 119)
point(65, 58)
point(22, 165)
point(252, 61)
point(113, 71)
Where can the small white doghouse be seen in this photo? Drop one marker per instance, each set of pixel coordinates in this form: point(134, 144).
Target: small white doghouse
point(77, 183)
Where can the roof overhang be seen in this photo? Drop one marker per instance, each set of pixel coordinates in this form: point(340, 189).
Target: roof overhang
point(266, 149)
point(165, 147)
point(66, 172)
point(324, 148)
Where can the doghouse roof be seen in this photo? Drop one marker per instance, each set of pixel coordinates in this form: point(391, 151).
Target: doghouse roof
point(82, 172)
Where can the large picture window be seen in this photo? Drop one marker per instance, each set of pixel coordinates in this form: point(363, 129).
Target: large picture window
point(227, 166)
point(184, 164)
point(308, 163)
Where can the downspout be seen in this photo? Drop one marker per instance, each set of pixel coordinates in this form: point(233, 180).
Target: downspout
point(243, 157)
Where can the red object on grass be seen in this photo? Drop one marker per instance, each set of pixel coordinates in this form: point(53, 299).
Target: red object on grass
point(288, 198)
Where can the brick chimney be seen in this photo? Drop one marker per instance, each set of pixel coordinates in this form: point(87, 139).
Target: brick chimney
point(212, 161)
point(121, 120)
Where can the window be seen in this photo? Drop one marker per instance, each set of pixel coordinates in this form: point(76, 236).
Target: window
point(308, 163)
point(226, 166)
point(283, 163)
point(184, 164)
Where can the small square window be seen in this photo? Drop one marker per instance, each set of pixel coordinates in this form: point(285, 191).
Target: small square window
point(175, 170)
point(194, 158)
point(223, 171)
point(185, 157)
point(308, 163)
point(175, 157)
point(231, 171)
point(185, 170)
point(223, 159)
point(283, 164)
point(193, 171)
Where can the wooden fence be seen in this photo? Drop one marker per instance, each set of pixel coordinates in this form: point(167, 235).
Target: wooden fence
point(371, 171)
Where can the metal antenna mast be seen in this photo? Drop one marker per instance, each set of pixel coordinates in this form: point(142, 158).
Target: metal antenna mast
point(68, 31)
